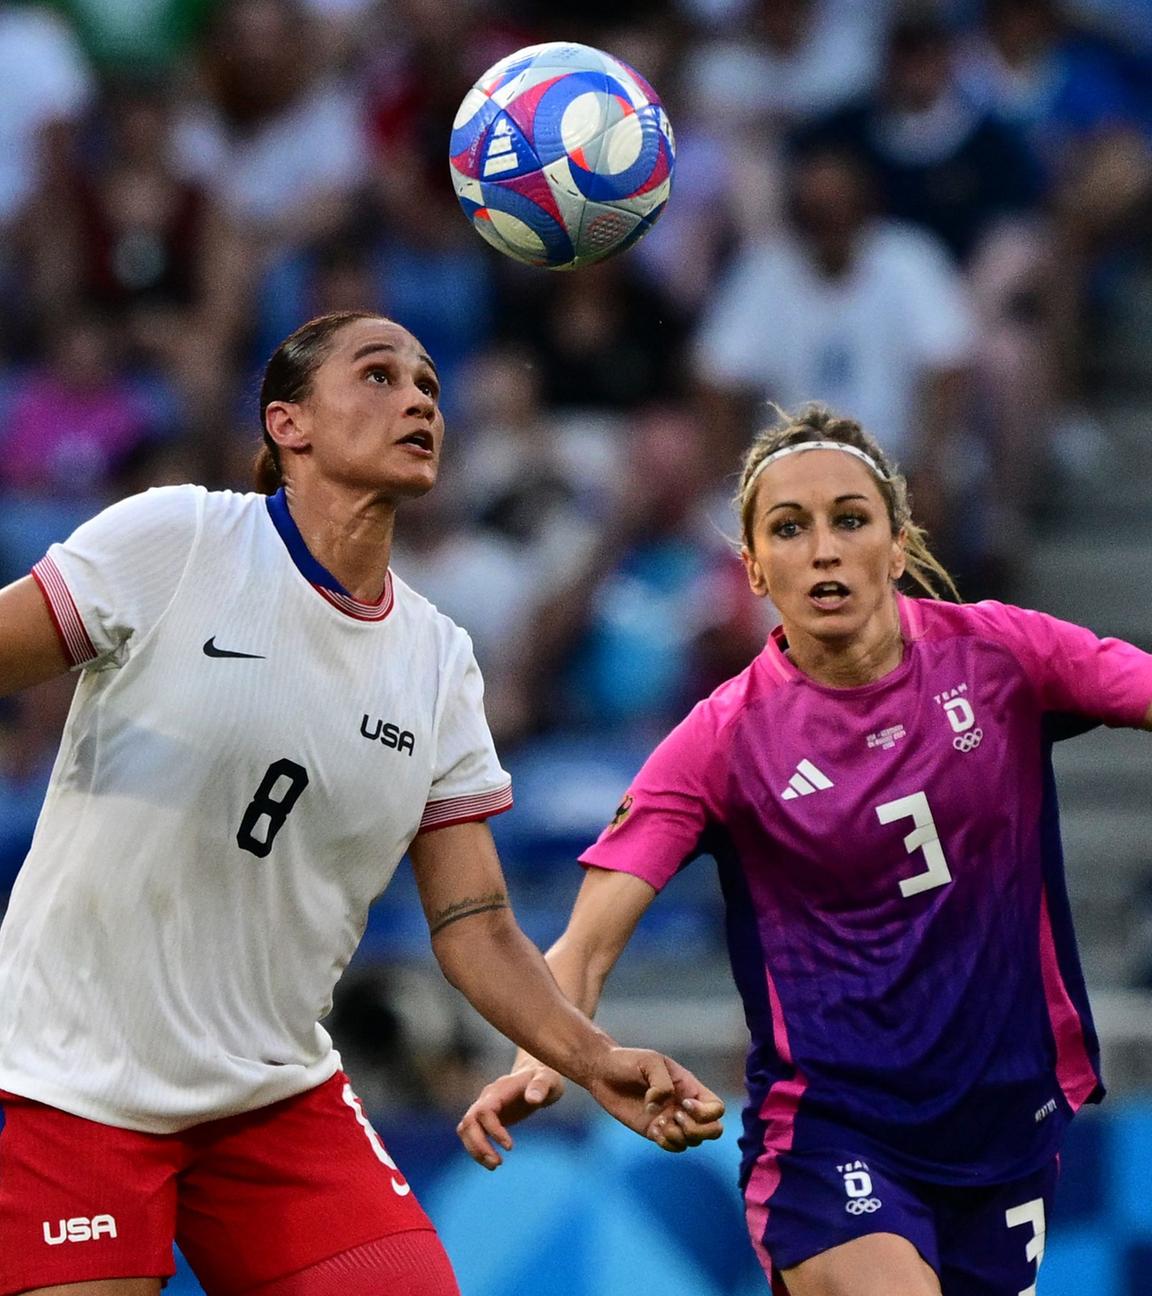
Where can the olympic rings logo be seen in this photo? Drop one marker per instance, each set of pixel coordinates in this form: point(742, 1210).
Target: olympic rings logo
point(966, 742)
point(862, 1205)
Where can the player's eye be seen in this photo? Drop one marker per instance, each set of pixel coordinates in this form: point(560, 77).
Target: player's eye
point(430, 388)
point(786, 528)
point(851, 521)
point(378, 376)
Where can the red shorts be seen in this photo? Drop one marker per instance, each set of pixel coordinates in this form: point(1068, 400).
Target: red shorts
point(249, 1198)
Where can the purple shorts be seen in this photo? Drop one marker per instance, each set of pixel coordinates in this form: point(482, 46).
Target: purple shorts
point(980, 1241)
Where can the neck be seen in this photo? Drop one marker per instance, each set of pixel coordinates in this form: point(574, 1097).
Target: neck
point(348, 531)
point(868, 656)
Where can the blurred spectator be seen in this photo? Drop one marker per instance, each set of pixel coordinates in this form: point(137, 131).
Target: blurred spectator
point(618, 647)
point(46, 83)
point(939, 161)
point(521, 516)
point(786, 60)
point(275, 140)
point(604, 337)
point(1030, 67)
point(145, 34)
point(759, 69)
point(72, 420)
point(1024, 63)
point(445, 294)
point(410, 112)
point(70, 425)
point(124, 233)
point(866, 313)
point(972, 179)
point(47, 88)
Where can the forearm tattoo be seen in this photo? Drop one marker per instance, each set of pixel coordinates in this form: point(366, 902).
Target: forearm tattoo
point(466, 908)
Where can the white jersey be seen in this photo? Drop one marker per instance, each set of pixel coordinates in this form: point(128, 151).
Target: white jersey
point(247, 757)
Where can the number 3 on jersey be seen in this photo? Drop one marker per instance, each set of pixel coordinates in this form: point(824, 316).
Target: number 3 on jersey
point(287, 779)
point(923, 837)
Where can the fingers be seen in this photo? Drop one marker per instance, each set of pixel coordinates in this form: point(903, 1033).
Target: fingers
point(544, 1087)
point(506, 1100)
point(667, 1133)
point(704, 1114)
point(694, 1119)
point(695, 1130)
point(478, 1130)
point(658, 1078)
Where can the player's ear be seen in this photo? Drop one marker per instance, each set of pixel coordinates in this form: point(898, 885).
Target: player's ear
point(899, 557)
point(754, 572)
point(285, 425)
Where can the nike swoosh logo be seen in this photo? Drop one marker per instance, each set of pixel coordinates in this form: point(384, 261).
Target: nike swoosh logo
point(210, 650)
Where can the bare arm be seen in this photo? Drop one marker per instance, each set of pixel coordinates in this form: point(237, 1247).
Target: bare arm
point(607, 909)
point(605, 914)
point(486, 956)
point(30, 648)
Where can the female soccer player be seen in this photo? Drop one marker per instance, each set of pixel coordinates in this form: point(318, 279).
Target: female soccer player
point(266, 719)
point(876, 790)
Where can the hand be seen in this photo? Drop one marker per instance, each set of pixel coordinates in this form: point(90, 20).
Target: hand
point(511, 1098)
point(696, 1114)
point(656, 1097)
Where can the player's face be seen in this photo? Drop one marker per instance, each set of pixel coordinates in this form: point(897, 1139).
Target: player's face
point(822, 547)
point(372, 418)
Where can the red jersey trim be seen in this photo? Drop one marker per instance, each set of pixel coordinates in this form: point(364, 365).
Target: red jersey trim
point(361, 611)
point(466, 809)
point(74, 638)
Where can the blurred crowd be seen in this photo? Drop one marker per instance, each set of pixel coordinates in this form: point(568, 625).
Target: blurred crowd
point(911, 211)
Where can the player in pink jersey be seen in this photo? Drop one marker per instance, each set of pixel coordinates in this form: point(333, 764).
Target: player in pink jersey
point(876, 790)
point(266, 720)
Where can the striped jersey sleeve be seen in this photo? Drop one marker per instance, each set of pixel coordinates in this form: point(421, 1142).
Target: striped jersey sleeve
point(109, 583)
point(468, 783)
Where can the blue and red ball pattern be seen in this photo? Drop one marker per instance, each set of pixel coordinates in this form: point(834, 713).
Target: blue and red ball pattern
point(562, 155)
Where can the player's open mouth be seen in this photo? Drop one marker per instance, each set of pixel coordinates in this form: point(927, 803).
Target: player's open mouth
point(419, 440)
point(828, 595)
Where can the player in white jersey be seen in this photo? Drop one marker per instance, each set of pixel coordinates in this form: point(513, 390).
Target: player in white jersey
point(876, 791)
point(266, 720)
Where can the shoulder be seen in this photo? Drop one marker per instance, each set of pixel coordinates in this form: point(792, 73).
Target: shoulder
point(170, 514)
point(422, 614)
point(989, 620)
point(727, 704)
point(224, 504)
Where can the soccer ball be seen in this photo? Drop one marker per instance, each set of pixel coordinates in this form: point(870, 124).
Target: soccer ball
point(562, 155)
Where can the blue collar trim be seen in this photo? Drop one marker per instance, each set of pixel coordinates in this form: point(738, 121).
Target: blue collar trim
point(299, 552)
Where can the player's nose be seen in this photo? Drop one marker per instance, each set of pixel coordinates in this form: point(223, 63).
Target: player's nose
point(825, 547)
point(420, 404)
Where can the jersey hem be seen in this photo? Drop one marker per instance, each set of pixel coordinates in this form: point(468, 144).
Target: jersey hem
point(60, 1099)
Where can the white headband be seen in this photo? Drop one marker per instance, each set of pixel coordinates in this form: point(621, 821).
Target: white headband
point(816, 445)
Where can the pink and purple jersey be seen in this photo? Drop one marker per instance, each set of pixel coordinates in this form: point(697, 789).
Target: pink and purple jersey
point(890, 859)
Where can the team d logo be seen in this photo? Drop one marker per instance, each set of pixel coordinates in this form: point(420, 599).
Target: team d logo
point(858, 1188)
point(961, 718)
point(79, 1229)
